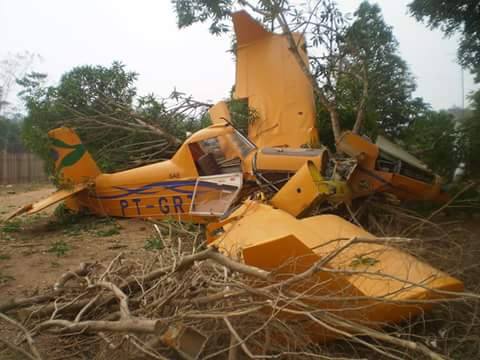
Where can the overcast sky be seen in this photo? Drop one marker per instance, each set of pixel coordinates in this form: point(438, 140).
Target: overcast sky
point(143, 35)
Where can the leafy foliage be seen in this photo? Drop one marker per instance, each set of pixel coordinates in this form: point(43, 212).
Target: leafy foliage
point(461, 16)
point(360, 77)
point(470, 139)
point(82, 90)
point(10, 135)
point(371, 52)
point(119, 129)
point(191, 11)
point(153, 243)
point(59, 248)
point(241, 114)
point(12, 226)
point(433, 138)
point(373, 49)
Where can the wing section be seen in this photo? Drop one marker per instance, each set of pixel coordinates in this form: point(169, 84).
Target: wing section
point(268, 75)
point(54, 198)
point(363, 281)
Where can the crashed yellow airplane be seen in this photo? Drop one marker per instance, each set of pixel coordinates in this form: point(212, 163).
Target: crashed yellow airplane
point(215, 174)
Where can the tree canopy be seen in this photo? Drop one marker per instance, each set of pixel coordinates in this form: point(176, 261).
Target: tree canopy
point(460, 16)
point(119, 128)
point(360, 80)
point(470, 138)
point(10, 135)
point(379, 77)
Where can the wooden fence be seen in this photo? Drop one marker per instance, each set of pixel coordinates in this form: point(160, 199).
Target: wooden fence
point(20, 168)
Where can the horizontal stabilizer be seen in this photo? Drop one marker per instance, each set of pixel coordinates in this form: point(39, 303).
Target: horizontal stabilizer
point(54, 198)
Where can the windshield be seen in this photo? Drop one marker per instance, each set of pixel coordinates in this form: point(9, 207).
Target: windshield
point(244, 145)
point(220, 154)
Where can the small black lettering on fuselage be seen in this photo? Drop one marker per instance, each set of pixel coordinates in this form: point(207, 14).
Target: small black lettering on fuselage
point(166, 204)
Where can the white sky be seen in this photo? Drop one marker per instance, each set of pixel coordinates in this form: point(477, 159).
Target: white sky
point(143, 35)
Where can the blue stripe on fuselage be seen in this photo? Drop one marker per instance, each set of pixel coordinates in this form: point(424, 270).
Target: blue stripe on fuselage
point(170, 185)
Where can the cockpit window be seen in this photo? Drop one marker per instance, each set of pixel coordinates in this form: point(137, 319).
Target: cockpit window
point(244, 146)
point(221, 154)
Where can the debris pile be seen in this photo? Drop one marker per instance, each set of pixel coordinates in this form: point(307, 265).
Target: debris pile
point(184, 300)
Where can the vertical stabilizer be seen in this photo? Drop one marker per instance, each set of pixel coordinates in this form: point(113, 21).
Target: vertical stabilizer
point(275, 85)
point(73, 163)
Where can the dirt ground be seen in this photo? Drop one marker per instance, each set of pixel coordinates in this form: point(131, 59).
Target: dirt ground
point(36, 250)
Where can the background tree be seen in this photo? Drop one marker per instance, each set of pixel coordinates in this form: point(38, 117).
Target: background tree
point(433, 137)
point(454, 17)
point(101, 103)
point(12, 68)
point(469, 139)
point(10, 135)
point(381, 87)
point(460, 17)
point(358, 77)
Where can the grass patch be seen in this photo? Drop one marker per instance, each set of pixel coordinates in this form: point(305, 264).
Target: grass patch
point(65, 216)
point(7, 237)
point(5, 278)
point(74, 224)
point(112, 229)
point(13, 226)
point(107, 232)
point(59, 248)
point(153, 243)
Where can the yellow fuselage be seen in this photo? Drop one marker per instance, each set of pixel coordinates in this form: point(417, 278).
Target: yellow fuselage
point(165, 189)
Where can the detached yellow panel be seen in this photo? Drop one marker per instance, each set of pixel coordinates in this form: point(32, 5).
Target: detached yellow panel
point(269, 76)
point(404, 182)
point(388, 280)
point(359, 148)
point(219, 113)
point(289, 160)
point(301, 191)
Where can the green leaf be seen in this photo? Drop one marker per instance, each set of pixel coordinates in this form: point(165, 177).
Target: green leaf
point(61, 144)
point(73, 157)
point(363, 261)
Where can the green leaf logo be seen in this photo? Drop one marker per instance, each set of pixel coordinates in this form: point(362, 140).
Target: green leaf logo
point(72, 157)
point(61, 144)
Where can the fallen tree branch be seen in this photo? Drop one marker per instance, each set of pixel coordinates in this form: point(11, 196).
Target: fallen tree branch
point(133, 325)
point(31, 343)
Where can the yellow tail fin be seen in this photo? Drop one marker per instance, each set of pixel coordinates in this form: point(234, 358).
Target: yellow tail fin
point(275, 85)
point(73, 163)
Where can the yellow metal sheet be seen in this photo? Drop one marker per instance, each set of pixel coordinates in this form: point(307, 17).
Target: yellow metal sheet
point(73, 163)
point(386, 276)
point(50, 200)
point(277, 89)
point(367, 178)
point(219, 113)
point(303, 190)
point(290, 160)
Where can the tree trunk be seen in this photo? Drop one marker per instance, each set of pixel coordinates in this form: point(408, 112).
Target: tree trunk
point(335, 119)
point(362, 104)
point(359, 120)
